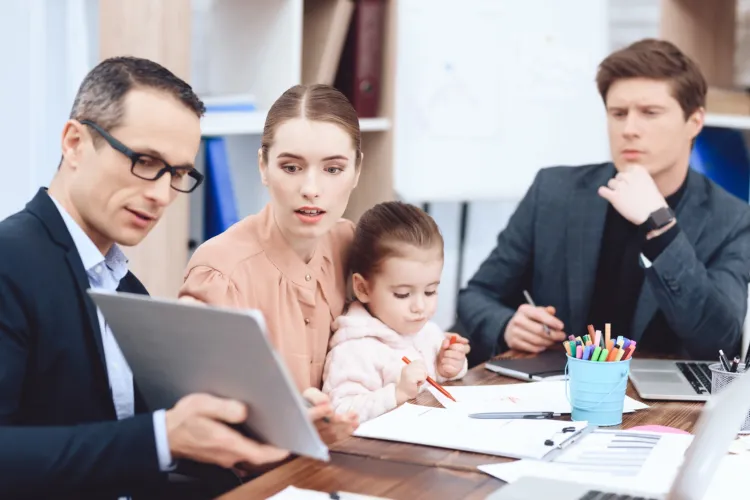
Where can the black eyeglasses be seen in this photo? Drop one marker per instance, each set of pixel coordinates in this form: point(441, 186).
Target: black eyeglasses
point(151, 168)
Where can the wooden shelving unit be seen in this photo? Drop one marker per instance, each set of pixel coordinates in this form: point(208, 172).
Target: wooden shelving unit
point(706, 31)
point(158, 30)
point(263, 48)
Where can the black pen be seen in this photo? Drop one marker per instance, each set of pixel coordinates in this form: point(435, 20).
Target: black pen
point(724, 361)
point(735, 364)
point(515, 414)
point(531, 303)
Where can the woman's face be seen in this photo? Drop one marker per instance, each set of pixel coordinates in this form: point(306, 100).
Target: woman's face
point(310, 175)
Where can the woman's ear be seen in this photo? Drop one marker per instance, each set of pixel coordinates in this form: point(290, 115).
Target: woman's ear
point(262, 168)
point(361, 288)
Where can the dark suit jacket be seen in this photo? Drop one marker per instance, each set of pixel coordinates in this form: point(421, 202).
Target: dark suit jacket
point(58, 431)
point(551, 246)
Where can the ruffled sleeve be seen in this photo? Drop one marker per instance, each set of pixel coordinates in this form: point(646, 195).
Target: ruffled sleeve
point(208, 285)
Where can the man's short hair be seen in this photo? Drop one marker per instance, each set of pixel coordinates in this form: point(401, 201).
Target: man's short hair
point(101, 94)
point(656, 60)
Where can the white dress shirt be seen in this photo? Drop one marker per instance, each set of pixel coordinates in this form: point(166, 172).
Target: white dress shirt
point(105, 273)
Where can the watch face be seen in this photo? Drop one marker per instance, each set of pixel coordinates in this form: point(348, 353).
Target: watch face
point(661, 218)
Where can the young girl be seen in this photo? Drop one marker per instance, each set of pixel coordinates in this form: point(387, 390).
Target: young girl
point(396, 263)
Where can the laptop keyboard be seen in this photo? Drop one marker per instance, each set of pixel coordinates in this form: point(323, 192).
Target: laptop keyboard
point(601, 495)
point(698, 375)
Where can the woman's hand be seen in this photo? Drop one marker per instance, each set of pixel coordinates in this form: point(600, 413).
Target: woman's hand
point(331, 426)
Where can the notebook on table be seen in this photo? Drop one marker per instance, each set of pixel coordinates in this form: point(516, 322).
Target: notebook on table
point(540, 367)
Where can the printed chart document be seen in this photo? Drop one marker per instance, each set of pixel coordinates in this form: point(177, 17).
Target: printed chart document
point(444, 428)
point(549, 395)
point(645, 461)
point(292, 493)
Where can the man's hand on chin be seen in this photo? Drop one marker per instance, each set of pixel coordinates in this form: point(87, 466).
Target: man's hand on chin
point(634, 194)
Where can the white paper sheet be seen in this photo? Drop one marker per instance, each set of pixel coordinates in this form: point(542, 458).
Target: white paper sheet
point(728, 482)
point(449, 429)
point(548, 395)
point(643, 461)
point(292, 493)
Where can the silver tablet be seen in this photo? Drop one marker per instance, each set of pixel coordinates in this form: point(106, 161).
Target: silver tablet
point(176, 348)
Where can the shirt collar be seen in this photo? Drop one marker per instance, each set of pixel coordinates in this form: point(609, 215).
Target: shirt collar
point(90, 255)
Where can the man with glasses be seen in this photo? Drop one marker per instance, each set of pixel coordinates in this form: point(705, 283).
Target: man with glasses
point(72, 424)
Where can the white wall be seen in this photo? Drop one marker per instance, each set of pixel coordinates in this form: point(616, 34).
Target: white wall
point(45, 49)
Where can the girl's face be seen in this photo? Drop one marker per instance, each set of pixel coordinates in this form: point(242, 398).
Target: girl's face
point(403, 293)
point(310, 175)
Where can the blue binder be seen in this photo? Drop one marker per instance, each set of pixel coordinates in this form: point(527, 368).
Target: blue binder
point(721, 155)
point(220, 207)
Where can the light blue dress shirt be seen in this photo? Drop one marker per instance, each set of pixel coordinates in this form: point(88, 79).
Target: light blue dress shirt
point(105, 273)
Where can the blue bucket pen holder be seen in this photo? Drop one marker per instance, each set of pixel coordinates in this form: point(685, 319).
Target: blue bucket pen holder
point(596, 390)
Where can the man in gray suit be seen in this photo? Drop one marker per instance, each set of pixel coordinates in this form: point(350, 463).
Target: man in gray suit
point(644, 243)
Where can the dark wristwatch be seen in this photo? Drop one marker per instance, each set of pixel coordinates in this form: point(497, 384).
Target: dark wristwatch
point(659, 219)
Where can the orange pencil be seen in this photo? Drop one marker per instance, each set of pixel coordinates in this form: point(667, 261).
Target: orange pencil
point(433, 383)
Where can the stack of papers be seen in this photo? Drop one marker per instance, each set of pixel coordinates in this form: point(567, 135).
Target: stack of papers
point(547, 396)
point(442, 428)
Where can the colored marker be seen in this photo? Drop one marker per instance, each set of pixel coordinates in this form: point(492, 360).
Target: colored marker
point(597, 353)
point(607, 333)
point(631, 348)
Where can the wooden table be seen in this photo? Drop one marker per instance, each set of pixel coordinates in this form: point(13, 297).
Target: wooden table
point(407, 471)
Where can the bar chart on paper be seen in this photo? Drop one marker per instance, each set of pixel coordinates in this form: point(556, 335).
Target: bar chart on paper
point(611, 453)
point(644, 461)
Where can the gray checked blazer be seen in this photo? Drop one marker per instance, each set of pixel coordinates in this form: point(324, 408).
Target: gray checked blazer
point(551, 247)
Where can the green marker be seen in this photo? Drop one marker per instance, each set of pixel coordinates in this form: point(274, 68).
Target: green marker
point(597, 352)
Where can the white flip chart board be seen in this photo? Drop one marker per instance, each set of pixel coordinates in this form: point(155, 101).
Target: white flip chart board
point(490, 91)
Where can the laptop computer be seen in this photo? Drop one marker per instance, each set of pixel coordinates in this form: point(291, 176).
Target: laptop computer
point(176, 348)
point(718, 425)
point(675, 380)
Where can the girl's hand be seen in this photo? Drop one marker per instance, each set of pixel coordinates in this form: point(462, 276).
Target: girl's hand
point(452, 356)
point(412, 377)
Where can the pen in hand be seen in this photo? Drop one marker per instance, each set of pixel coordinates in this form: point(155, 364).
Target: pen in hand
point(530, 301)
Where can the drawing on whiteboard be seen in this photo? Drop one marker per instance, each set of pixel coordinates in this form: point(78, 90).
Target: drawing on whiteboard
point(452, 107)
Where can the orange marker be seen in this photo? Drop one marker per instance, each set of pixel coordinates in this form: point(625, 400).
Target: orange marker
point(432, 382)
point(454, 339)
point(607, 334)
point(592, 332)
point(613, 354)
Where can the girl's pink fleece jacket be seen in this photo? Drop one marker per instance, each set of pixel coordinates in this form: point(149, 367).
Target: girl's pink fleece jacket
point(364, 362)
